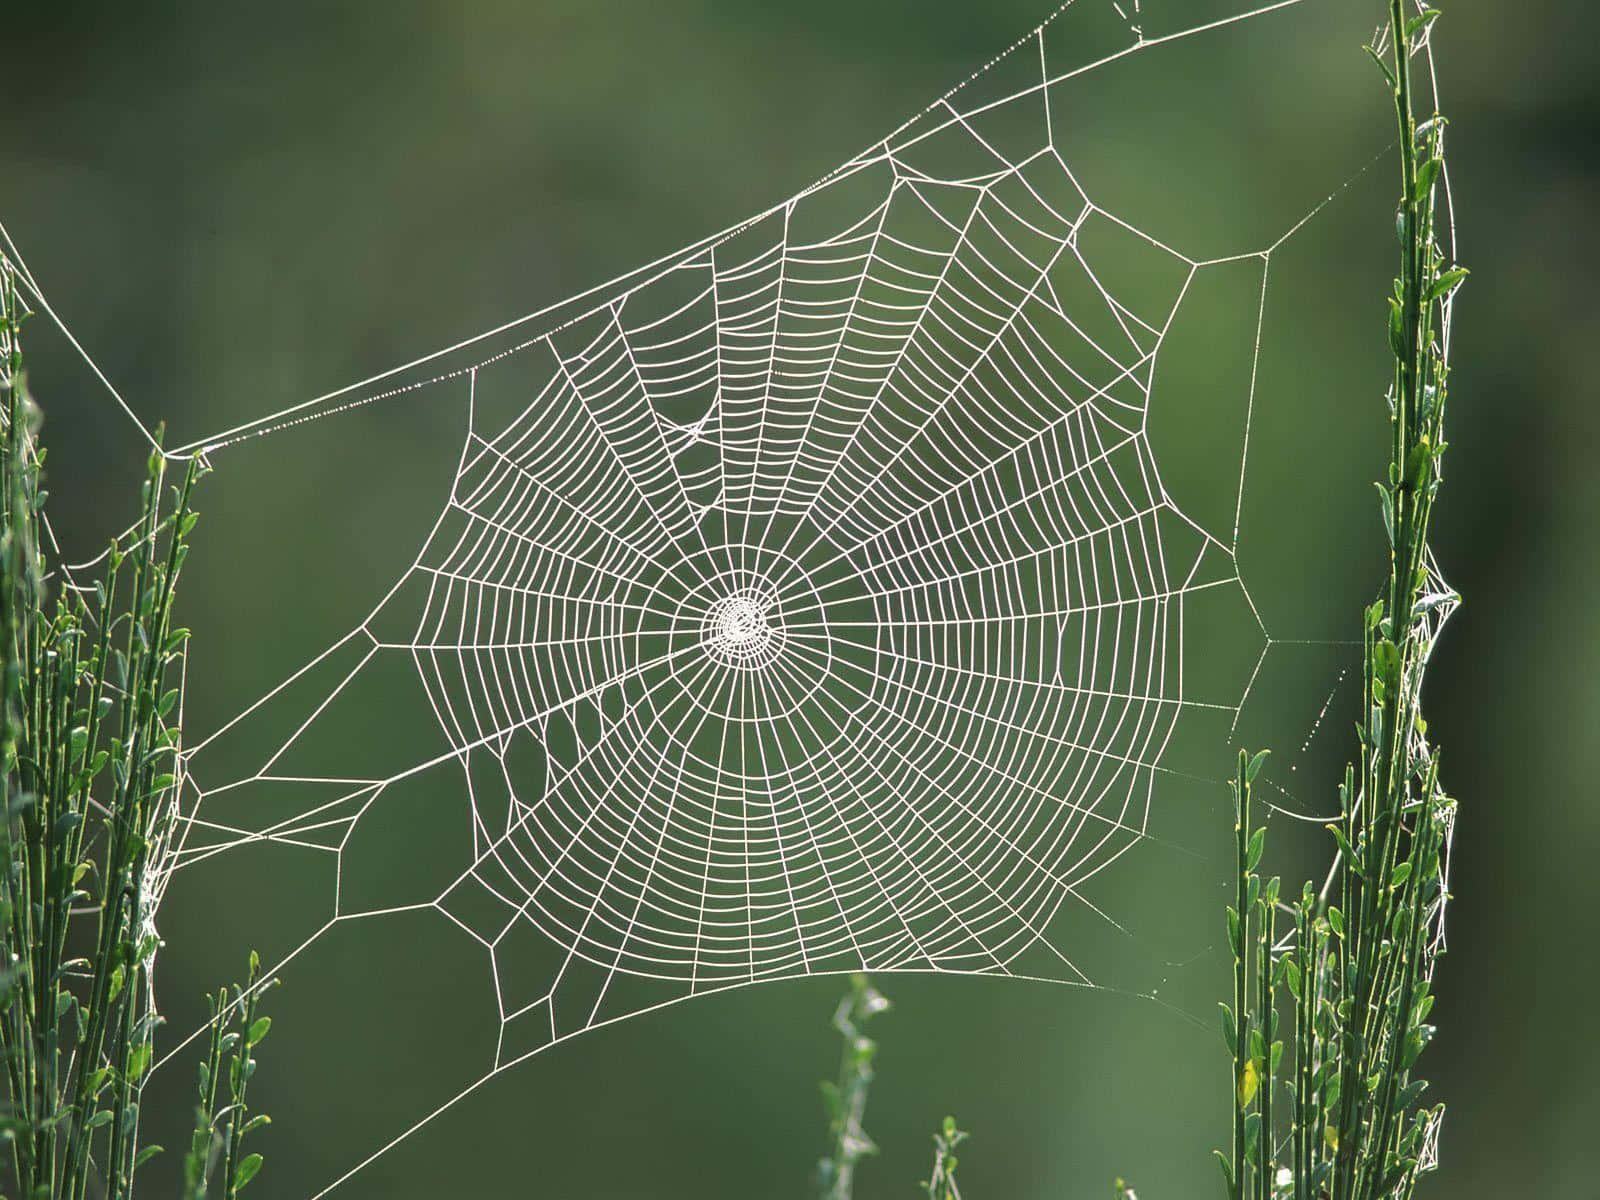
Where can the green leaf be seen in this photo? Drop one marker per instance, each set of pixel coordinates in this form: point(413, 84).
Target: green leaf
point(1386, 657)
point(1420, 22)
point(1227, 1170)
point(1388, 76)
point(1400, 874)
point(1397, 328)
point(1254, 768)
point(1345, 848)
point(145, 1156)
point(1253, 852)
point(1416, 1041)
point(1417, 463)
point(247, 1171)
point(1447, 282)
point(1410, 1094)
point(1230, 1035)
point(1427, 176)
point(138, 1061)
point(831, 1102)
point(258, 1030)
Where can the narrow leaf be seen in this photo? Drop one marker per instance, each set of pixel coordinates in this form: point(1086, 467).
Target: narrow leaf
point(1427, 176)
point(1254, 769)
point(1447, 282)
point(247, 1171)
point(1253, 852)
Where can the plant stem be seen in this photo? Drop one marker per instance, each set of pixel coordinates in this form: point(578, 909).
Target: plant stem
point(846, 1100)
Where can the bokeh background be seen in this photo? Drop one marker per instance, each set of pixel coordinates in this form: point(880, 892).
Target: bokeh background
point(238, 207)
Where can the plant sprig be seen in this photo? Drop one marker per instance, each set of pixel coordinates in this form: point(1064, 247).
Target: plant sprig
point(941, 1181)
point(220, 1129)
point(90, 775)
point(846, 1099)
point(1357, 962)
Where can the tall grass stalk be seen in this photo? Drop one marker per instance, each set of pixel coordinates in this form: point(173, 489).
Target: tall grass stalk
point(1357, 960)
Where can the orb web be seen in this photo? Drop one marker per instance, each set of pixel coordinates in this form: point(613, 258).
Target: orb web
point(808, 601)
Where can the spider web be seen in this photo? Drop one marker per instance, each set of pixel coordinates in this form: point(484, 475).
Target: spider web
point(809, 601)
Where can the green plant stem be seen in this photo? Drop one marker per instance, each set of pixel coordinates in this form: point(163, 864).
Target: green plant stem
point(846, 1100)
point(1241, 976)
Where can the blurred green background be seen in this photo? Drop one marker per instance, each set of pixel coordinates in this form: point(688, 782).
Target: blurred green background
point(238, 207)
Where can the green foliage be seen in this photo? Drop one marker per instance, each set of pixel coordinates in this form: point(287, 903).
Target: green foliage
point(846, 1100)
point(90, 774)
point(1357, 962)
